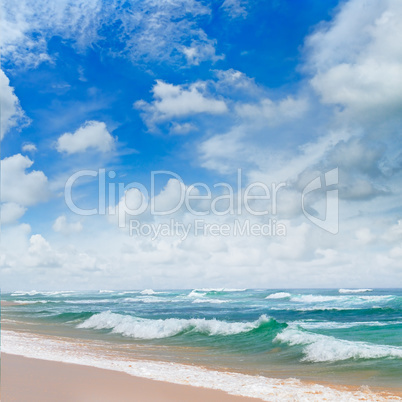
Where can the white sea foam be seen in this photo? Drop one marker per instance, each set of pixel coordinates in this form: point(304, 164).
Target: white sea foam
point(279, 295)
point(228, 290)
point(376, 298)
point(149, 292)
point(319, 308)
point(196, 293)
point(346, 299)
point(213, 301)
point(354, 290)
point(106, 291)
point(267, 389)
point(128, 292)
point(315, 298)
point(152, 299)
point(22, 293)
point(322, 348)
point(340, 325)
point(87, 301)
point(141, 328)
point(35, 293)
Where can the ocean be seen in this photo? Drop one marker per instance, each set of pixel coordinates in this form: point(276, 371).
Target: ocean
point(336, 336)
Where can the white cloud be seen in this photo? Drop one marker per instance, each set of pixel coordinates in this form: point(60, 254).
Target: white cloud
point(38, 245)
point(196, 53)
point(357, 58)
point(364, 236)
point(220, 151)
point(92, 135)
point(11, 112)
point(61, 225)
point(182, 129)
point(234, 8)
point(11, 212)
point(179, 101)
point(21, 187)
point(150, 30)
point(28, 147)
point(273, 113)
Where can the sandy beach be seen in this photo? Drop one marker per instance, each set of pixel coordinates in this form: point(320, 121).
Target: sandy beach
point(25, 379)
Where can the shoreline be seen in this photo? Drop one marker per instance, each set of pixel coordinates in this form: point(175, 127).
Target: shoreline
point(55, 351)
point(34, 379)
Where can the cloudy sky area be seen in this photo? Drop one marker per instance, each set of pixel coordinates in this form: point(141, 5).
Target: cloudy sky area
point(283, 91)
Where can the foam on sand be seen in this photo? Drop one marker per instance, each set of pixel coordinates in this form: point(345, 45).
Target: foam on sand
point(267, 389)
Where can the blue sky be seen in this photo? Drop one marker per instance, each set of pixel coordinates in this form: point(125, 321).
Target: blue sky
point(283, 90)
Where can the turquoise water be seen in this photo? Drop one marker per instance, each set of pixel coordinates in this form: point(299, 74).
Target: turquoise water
point(346, 336)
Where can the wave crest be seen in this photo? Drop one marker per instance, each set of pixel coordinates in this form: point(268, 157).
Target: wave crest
point(279, 295)
point(142, 328)
point(354, 290)
point(322, 348)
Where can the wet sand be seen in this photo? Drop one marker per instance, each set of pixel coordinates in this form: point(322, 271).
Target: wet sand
point(24, 379)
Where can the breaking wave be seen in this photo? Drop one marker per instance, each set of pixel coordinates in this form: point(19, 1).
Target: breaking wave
point(323, 348)
point(142, 328)
point(354, 290)
point(279, 295)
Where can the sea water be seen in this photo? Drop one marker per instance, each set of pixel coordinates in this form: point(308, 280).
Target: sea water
point(340, 336)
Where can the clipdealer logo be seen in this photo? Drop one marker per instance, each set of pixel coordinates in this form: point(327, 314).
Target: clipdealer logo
point(250, 209)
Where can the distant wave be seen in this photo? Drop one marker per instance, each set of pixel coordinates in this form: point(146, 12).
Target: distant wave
point(343, 300)
point(315, 298)
point(213, 301)
point(106, 291)
point(151, 299)
point(87, 301)
point(219, 290)
point(22, 302)
point(35, 293)
point(149, 292)
point(279, 295)
point(322, 348)
point(354, 290)
point(212, 292)
point(340, 325)
point(196, 293)
point(334, 308)
point(141, 328)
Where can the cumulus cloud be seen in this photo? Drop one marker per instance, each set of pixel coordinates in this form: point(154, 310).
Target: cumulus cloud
point(179, 101)
point(61, 225)
point(21, 187)
point(356, 58)
point(92, 135)
point(11, 112)
point(11, 212)
point(28, 147)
